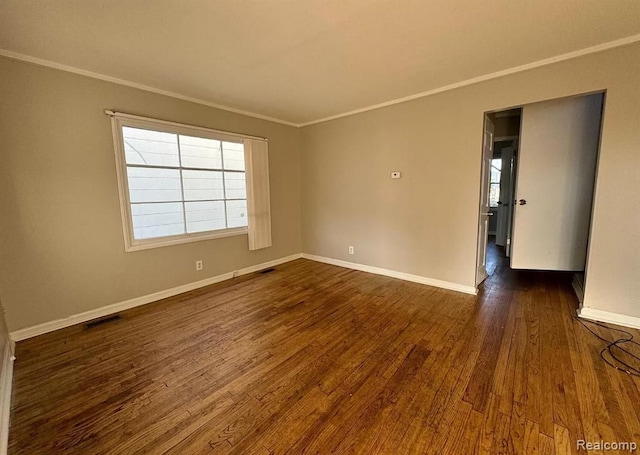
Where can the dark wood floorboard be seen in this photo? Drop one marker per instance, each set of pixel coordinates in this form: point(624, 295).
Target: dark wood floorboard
point(313, 358)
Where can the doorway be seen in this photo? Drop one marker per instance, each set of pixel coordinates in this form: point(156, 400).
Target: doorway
point(537, 185)
point(499, 166)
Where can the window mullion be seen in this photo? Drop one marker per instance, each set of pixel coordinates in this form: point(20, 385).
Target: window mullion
point(184, 208)
point(187, 168)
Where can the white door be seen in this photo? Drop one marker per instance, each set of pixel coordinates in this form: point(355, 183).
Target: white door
point(483, 228)
point(505, 202)
point(554, 188)
point(511, 195)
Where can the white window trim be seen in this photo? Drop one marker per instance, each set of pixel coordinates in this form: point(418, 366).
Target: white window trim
point(118, 120)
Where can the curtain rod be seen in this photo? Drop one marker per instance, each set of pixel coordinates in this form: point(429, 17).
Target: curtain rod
point(183, 125)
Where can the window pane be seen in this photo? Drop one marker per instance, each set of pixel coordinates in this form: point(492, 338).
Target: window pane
point(200, 152)
point(235, 185)
point(236, 213)
point(151, 148)
point(494, 194)
point(495, 175)
point(233, 156)
point(157, 220)
point(205, 216)
point(497, 163)
point(202, 185)
point(154, 185)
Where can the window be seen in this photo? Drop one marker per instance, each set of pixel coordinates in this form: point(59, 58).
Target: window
point(180, 183)
point(494, 187)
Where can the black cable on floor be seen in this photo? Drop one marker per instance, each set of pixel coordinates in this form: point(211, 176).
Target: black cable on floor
point(615, 361)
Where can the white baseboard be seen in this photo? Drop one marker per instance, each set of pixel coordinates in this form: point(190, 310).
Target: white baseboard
point(612, 318)
point(79, 318)
point(6, 381)
point(394, 274)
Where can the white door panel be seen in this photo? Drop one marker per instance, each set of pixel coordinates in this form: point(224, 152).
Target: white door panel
point(483, 228)
point(513, 170)
point(556, 169)
point(506, 201)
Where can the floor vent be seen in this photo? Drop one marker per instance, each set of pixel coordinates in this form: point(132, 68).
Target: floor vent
point(270, 269)
point(101, 321)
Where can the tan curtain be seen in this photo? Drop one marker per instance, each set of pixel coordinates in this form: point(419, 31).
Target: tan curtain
point(258, 199)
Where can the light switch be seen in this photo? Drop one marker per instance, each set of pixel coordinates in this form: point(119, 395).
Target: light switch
point(395, 175)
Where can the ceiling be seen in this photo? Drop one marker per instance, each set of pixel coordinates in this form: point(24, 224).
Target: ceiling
point(304, 60)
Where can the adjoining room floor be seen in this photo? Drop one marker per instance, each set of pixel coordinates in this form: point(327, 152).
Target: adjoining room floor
point(313, 358)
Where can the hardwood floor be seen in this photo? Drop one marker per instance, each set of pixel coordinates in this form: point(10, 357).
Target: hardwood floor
point(313, 358)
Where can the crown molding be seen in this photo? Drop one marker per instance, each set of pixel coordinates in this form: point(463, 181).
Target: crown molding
point(516, 69)
point(147, 88)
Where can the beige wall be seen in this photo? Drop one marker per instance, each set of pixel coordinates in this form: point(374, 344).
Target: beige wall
point(61, 236)
point(60, 229)
point(4, 340)
point(426, 222)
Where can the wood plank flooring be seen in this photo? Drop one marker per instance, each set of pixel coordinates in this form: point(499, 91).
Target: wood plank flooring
point(313, 358)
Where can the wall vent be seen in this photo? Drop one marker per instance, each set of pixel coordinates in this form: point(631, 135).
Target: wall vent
point(101, 321)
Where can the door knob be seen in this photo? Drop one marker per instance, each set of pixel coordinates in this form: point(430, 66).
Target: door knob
point(488, 213)
point(522, 201)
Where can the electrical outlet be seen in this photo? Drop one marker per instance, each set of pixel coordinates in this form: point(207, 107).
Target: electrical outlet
point(351, 250)
point(199, 265)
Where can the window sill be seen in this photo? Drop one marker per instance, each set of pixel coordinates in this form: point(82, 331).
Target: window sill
point(178, 240)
